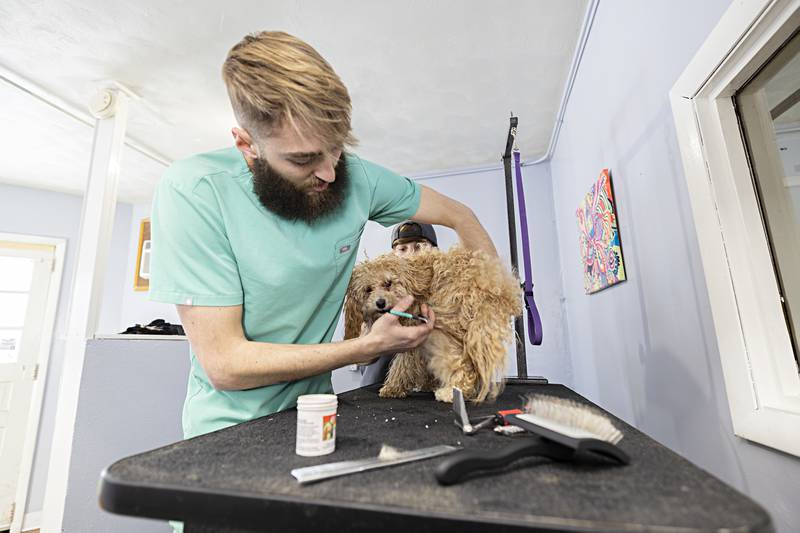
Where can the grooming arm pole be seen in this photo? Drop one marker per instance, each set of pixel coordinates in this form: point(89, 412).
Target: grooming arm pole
point(519, 325)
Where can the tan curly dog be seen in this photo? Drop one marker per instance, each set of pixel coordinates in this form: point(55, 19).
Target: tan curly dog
point(475, 298)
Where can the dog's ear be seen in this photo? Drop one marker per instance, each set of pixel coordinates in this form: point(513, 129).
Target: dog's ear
point(352, 306)
point(352, 317)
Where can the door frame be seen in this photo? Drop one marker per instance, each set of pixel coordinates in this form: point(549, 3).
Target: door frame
point(42, 359)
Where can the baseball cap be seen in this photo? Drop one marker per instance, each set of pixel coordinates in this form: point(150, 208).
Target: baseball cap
point(413, 231)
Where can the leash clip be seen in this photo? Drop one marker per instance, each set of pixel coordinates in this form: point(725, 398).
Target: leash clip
point(528, 296)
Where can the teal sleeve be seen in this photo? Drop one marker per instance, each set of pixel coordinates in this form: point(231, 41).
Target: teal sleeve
point(191, 261)
point(394, 197)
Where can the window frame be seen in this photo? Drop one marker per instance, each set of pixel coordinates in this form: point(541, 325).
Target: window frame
point(759, 368)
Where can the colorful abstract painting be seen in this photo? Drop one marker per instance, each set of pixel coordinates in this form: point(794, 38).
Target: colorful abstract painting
point(601, 250)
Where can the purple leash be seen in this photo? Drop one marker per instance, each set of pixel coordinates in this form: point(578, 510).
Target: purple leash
point(534, 320)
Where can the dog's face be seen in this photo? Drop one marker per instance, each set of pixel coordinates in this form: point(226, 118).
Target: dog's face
point(379, 284)
point(377, 292)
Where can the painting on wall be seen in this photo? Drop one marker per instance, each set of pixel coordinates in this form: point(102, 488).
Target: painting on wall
point(601, 249)
point(141, 275)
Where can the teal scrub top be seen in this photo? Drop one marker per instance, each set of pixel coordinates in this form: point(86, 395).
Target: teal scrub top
point(214, 244)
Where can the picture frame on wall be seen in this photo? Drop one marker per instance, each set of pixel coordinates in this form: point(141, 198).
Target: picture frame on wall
point(600, 244)
point(141, 275)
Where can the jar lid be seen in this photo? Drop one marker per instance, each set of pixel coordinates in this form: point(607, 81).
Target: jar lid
point(315, 400)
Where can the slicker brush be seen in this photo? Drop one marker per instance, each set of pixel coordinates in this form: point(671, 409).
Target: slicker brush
point(567, 430)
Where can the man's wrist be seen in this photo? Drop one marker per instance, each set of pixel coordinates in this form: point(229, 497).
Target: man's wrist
point(365, 347)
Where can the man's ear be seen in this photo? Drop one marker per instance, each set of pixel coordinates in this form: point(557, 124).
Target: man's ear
point(244, 143)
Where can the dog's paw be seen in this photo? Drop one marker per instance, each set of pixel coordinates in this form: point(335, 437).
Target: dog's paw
point(392, 392)
point(444, 394)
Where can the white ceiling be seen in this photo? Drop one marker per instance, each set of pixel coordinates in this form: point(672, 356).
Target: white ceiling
point(432, 83)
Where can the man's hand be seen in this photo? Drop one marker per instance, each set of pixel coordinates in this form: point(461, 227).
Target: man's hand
point(388, 336)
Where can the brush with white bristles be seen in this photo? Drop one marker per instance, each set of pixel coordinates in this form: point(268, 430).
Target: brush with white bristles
point(570, 418)
point(566, 427)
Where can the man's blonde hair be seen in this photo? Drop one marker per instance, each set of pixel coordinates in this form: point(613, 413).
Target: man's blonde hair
point(275, 78)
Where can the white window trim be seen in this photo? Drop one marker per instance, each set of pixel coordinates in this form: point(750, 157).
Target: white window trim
point(43, 358)
point(761, 374)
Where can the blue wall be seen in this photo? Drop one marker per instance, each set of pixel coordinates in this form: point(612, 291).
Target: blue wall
point(646, 349)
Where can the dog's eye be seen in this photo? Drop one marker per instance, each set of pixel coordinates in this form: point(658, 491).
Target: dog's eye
point(388, 284)
point(368, 290)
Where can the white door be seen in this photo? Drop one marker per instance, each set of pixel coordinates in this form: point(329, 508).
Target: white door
point(25, 274)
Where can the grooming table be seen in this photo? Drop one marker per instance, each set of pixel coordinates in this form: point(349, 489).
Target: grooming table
point(237, 480)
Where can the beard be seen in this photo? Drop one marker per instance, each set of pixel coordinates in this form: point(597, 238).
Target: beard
point(282, 197)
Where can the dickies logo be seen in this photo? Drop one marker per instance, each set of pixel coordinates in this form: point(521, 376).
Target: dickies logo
point(345, 248)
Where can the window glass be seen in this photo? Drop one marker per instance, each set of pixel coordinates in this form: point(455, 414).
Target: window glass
point(769, 113)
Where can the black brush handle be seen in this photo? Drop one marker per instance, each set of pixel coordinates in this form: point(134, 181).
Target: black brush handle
point(460, 464)
point(606, 449)
point(601, 447)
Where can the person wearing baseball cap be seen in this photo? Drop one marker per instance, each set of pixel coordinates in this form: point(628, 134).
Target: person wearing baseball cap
point(410, 237)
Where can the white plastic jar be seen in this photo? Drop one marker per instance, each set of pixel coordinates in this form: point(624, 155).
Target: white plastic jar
point(316, 424)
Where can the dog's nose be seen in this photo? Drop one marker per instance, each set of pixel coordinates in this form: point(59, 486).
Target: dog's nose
point(380, 303)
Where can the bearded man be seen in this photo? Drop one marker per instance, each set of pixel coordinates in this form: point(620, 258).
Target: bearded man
point(255, 243)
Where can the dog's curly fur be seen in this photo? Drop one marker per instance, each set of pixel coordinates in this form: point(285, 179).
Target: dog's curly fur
point(474, 298)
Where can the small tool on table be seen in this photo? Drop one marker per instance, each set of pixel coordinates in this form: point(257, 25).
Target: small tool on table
point(462, 420)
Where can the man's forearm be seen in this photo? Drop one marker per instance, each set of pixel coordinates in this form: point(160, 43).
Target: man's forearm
point(231, 362)
point(252, 364)
point(471, 233)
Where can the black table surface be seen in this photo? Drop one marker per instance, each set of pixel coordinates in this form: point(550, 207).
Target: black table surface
point(238, 479)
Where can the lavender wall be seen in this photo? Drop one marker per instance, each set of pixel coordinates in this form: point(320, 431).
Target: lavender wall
point(646, 349)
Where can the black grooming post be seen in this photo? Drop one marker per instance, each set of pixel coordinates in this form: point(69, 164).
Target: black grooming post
point(519, 325)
